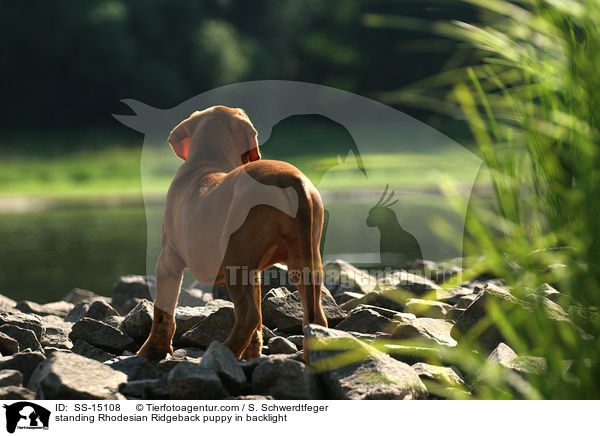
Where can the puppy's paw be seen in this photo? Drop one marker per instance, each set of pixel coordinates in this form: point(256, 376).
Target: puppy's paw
point(154, 352)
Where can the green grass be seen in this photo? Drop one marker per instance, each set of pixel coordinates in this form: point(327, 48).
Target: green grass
point(115, 171)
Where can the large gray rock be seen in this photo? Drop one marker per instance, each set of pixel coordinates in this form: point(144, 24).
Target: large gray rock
point(8, 345)
point(194, 297)
point(428, 331)
point(283, 310)
point(391, 299)
point(10, 377)
point(25, 338)
point(102, 335)
point(69, 376)
point(220, 358)
point(188, 317)
point(190, 354)
point(370, 374)
point(79, 311)
point(138, 322)
point(129, 288)
point(215, 327)
point(284, 379)
point(56, 332)
point(438, 272)
point(135, 367)
point(442, 381)
point(6, 304)
point(58, 308)
point(189, 381)
point(24, 320)
point(340, 276)
point(427, 308)
point(364, 320)
point(90, 351)
point(16, 393)
point(148, 389)
point(77, 295)
point(100, 310)
point(413, 283)
point(25, 361)
point(280, 345)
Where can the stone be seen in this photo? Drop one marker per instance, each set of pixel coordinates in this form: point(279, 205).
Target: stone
point(56, 332)
point(86, 349)
point(454, 296)
point(252, 397)
point(297, 340)
point(135, 367)
point(410, 354)
point(24, 320)
point(69, 376)
point(10, 377)
point(25, 338)
point(128, 288)
point(138, 322)
point(284, 379)
point(6, 304)
point(194, 298)
point(188, 381)
point(280, 345)
point(8, 345)
point(439, 273)
point(188, 317)
point(215, 327)
point(16, 393)
point(77, 295)
point(218, 357)
point(370, 374)
point(148, 389)
point(364, 320)
point(427, 331)
point(102, 335)
point(282, 309)
point(190, 354)
point(390, 299)
point(439, 378)
point(427, 308)
point(58, 308)
point(24, 361)
point(79, 311)
point(413, 284)
point(100, 310)
point(114, 321)
point(340, 276)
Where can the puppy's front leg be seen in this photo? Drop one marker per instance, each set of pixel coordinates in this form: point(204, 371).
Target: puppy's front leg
point(169, 274)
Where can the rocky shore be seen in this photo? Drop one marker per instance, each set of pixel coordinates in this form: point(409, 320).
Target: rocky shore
point(389, 337)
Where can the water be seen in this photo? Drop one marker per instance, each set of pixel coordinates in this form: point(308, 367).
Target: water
point(44, 254)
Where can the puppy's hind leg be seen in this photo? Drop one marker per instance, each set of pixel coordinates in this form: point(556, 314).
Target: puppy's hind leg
point(169, 273)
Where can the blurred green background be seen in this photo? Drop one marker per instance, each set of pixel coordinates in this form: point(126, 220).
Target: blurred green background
point(71, 211)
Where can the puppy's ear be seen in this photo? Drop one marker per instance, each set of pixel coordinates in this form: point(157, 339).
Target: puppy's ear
point(252, 153)
point(181, 135)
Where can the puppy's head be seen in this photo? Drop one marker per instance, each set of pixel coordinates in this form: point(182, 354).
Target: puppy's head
point(218, 132)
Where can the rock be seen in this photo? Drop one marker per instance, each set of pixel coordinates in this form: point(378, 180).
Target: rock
point(194, 297)
point(297, 340)
point(149, 389)
point(25, 338)
point(138, 322)
point(215, 327)
point(250, 365)
point(24, 320)
point(427, 308)
point(252, 397)
point(267, 333)
point(340, 276)
point(188, 317)
point(69, 376)
point(439, 273)
point(454, 313)
point(102, 335)
point(8, 345)
point(280, 345)
point(365, 320)
point(465, 301)
point(114, 321)
point(218, 357)
point(441, 376)
point(370, 375)
point(190, 354)
point(188, 381)
point(413, 283)
point(425, 330)
point(128, 288)
point(455, 295)
point(512, 307)
point(77, 296)
point(16, 393)
point(24, 361)
point(56, 332)
point(78, 312)
point(390, 299)
point(284, 379)
point(135, 367)
point(410, 354)
point(86, 349)
point(6, 304)
point(282, 309)
point(100, 310)
point(58, 308)
point(10, 377)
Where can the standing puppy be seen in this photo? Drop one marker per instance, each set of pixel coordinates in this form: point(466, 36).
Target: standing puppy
point(228, 216)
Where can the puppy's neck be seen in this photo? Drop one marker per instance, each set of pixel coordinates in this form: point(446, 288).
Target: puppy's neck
point(217, 152)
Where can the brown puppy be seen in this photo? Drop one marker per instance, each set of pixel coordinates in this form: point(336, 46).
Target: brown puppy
point(228, 216)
